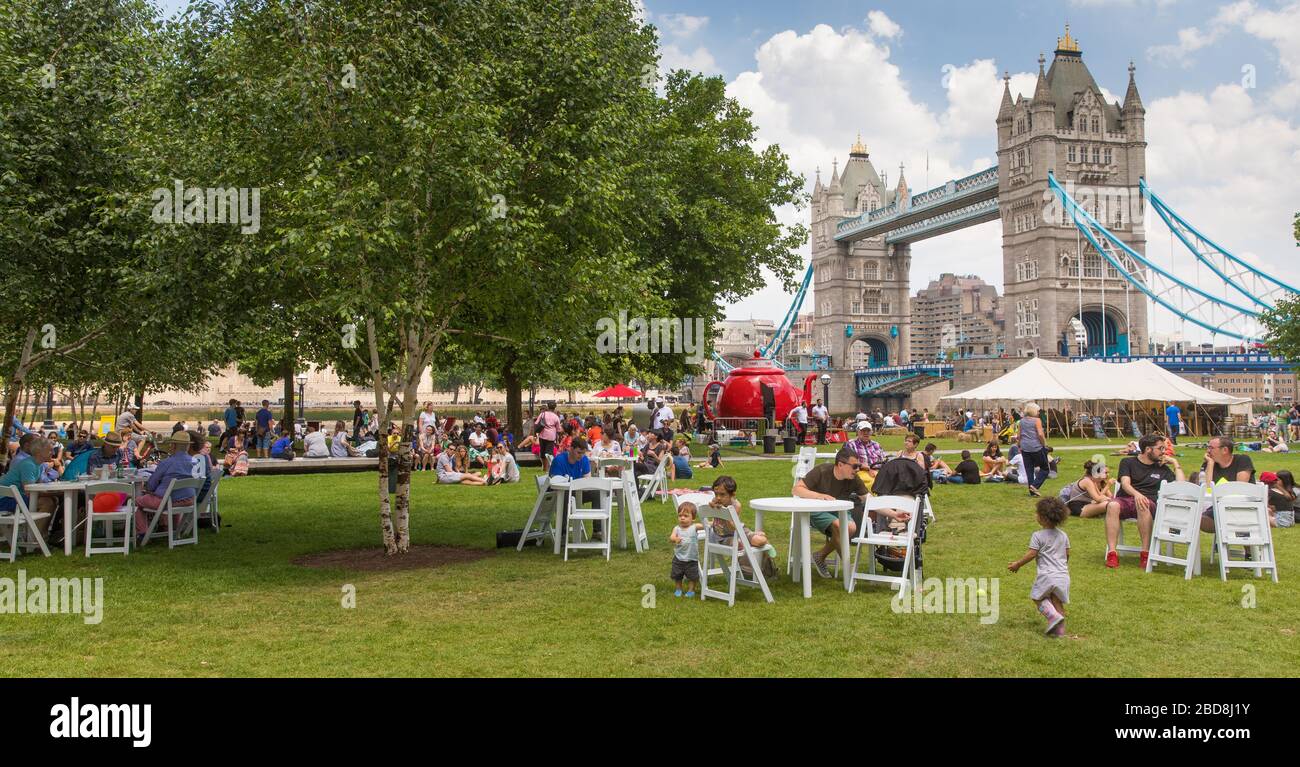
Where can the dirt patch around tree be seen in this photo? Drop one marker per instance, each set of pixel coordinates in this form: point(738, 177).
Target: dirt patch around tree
point(373, 559)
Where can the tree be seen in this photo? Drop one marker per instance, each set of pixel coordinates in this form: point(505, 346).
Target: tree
point(426, 162)
point(1282, 328)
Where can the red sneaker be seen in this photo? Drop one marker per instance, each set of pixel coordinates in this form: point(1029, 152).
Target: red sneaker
point(1112, 559)
point(1143, 560)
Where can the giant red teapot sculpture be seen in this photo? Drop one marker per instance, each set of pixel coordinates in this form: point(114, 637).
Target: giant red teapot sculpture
point(742, 394)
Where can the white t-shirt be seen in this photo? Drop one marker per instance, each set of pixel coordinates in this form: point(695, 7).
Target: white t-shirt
point(428, 419)
point(478, 439)
point(314, 445)
point(820, 411)
point(663, 414)
point(889, 422)
point(1018, 463)
point(800, 414)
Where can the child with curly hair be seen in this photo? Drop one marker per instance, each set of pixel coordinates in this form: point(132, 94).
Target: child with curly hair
point(1050, 546)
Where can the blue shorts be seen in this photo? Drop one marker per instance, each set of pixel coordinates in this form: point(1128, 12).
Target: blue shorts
point(264, 441)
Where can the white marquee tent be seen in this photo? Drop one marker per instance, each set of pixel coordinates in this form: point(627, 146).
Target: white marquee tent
point(1140, 381)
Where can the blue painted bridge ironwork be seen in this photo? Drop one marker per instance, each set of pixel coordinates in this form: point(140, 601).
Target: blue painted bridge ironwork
point(900, 379)
point(1208, 363)
point(957, 204)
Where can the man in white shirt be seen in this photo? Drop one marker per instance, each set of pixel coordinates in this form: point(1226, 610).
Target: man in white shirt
point(822, 416)
point(662, 415)
point(800, 416)
point(314, 443)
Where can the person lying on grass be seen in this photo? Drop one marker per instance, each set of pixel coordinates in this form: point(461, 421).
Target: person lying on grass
point(450, 468)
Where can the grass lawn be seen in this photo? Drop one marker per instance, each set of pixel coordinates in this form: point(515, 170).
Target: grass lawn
point(236, 605)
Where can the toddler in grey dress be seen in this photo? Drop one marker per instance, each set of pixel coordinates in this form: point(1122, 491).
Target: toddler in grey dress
point(1050, 547)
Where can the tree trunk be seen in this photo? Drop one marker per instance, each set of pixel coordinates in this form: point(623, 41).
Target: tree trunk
point(13, 389)
point(287, 417)
point(455, 395)
point(139, 407)
point(514, 397)
point(573, 396)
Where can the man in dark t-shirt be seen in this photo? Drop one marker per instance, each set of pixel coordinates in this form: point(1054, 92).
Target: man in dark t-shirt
point(967, 471)
point(1139, 485)
point(837, 481)
point(1222, 465)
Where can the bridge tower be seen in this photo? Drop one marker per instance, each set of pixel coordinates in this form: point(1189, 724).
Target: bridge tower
point(1067, 128)
point(861, 288)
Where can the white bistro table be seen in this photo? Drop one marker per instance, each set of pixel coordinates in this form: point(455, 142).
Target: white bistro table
point(801, 510)
point(72, 490)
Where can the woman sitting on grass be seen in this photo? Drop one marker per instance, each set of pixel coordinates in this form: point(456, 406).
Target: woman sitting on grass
point(1093, 493)
point(994, 461)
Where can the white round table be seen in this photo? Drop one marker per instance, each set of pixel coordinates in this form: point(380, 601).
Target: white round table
point(801, 510)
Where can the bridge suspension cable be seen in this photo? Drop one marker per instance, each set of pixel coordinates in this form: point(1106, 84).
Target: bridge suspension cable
point(1260, 288)
point(774, 346)
point(1186, 301)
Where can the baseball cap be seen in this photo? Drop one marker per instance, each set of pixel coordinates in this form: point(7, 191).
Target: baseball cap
point(1268, 477)
point(864, 426)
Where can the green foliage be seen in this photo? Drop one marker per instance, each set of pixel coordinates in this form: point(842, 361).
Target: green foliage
point(1282, 328)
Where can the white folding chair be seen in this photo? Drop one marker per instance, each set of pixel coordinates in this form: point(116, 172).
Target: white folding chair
point(730, 552)
point(652, 483)
point(23, 532)
point(576, 537)
point(208, 508)
point(1177, 522)
point(631, 506)
point(540, 524)
point(905, 540)
point(124, 514)
point(1241, 519)
point(803, 463)
point(176, 516)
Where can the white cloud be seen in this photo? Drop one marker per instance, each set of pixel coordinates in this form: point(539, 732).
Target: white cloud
point(1193, 39)
point(883, 26)
point(680, 25)
point(698, 60)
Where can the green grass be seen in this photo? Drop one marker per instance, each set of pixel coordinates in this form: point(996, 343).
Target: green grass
point(235, 605)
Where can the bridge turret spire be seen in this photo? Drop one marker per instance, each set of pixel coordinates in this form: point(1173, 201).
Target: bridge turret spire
point(1132, 101)
point(1042, 91)
point(1007, 108)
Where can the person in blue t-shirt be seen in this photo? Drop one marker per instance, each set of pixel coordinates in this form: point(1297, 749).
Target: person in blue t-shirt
point(264, 436)
point(28, 470)
point(574, 464)
point(283, 447)
point(1174, 416)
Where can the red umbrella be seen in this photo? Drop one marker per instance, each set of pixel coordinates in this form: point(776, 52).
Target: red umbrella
point(619, 391)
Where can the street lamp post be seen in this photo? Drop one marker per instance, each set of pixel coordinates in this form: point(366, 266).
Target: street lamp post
point(826, 390)
point(302, 392)
point(49, 409)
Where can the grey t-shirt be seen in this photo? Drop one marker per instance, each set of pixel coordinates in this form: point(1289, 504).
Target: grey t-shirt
point(688, 548)
point(1052, 545)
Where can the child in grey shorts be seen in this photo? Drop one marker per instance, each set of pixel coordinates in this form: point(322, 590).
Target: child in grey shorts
point(686, 549)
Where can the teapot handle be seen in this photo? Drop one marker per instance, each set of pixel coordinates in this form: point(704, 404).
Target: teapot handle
point(704, 399)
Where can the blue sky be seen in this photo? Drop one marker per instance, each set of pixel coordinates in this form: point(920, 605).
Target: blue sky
point(922, 80)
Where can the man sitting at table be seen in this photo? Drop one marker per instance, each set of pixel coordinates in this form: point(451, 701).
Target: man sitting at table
point(574, 464)
point(109, 454)
point(27, 470)
point(837, 481)
point(178, 465)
